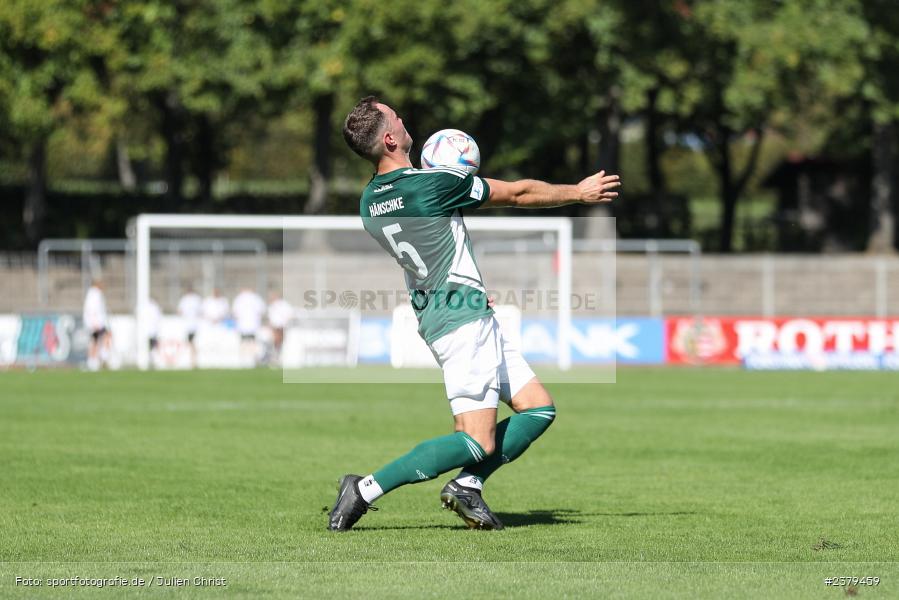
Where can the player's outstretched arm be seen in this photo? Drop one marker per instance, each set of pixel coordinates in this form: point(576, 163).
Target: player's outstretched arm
point(531, 193)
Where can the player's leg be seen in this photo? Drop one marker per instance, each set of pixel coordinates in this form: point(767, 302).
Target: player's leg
point(278, 343)
point(473, 389)
point(105, 346)
point(93, 351)
point(534, 410)
point(154, 351)
point(246, 349)
point(479, 424)
point(191, 336)
point(514, 435)
point(471, 442)
point(425, 461)
point(467, 502)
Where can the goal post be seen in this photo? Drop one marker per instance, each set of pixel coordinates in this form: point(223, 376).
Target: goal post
point(146, 224)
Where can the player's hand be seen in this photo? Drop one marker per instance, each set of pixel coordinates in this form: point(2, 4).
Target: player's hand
point(491, 301)
point(598, 188)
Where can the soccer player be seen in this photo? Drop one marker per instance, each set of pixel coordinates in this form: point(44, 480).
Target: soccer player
point(96, 319)
point(248, 309)
point(416, 216)
point(190, 308)
point(280, 312)
point(215, 307)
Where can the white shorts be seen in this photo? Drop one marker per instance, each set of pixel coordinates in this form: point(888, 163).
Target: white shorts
point(480, 367)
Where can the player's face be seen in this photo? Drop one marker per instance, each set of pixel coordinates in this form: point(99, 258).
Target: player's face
point(396, 135)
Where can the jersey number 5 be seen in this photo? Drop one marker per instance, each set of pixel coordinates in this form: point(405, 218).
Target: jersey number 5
point(405, 248)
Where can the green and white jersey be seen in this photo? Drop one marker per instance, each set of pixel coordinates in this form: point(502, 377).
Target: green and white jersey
point(416, 216)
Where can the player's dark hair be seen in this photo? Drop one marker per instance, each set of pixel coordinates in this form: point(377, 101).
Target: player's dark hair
point(362, 126)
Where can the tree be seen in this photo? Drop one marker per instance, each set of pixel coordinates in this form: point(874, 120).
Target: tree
point(578, 60)
point(51, 57)
point(208, 71)
point(880, 96)
point(754, 66)
point(321, 63)
point(421, 69)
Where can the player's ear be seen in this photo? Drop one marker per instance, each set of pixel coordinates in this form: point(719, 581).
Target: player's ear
point(390, 143)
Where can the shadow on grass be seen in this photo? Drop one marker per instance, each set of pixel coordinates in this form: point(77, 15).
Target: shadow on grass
point(554, 516)
point(567, 516)
point(558, 516)
point(400, 527)
point(641, 514)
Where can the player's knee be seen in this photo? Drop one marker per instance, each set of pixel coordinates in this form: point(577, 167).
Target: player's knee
point(542, 417)
point(480, 435)
point(551, 411)
point(488, 446)
point(486, 442)
point(532, 395)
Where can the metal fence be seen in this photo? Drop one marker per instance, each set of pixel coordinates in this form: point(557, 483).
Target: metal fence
point(654, 282)
point(65, 267)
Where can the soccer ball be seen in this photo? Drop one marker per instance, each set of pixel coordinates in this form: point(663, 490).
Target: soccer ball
point(451, 148)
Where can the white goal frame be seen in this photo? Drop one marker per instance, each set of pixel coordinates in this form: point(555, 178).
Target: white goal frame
point(145, 224)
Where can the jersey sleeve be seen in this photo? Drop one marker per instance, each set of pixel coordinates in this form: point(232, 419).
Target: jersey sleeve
point(458, 190)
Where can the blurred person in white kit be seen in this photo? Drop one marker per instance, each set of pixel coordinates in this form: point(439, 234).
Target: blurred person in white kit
point(280, 312)
point(96, 320)
point(190, 308)
point(215, 307)
point(249, 309)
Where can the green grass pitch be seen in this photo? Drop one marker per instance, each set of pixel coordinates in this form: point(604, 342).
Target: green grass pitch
point(674, 483)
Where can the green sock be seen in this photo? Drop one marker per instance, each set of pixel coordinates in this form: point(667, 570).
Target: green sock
point(513, 436)
point(429, 459)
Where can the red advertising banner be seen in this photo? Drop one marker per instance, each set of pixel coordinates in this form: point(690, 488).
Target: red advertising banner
point(729, 340)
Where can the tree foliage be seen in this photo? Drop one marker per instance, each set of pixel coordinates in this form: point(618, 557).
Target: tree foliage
point(546, 86)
